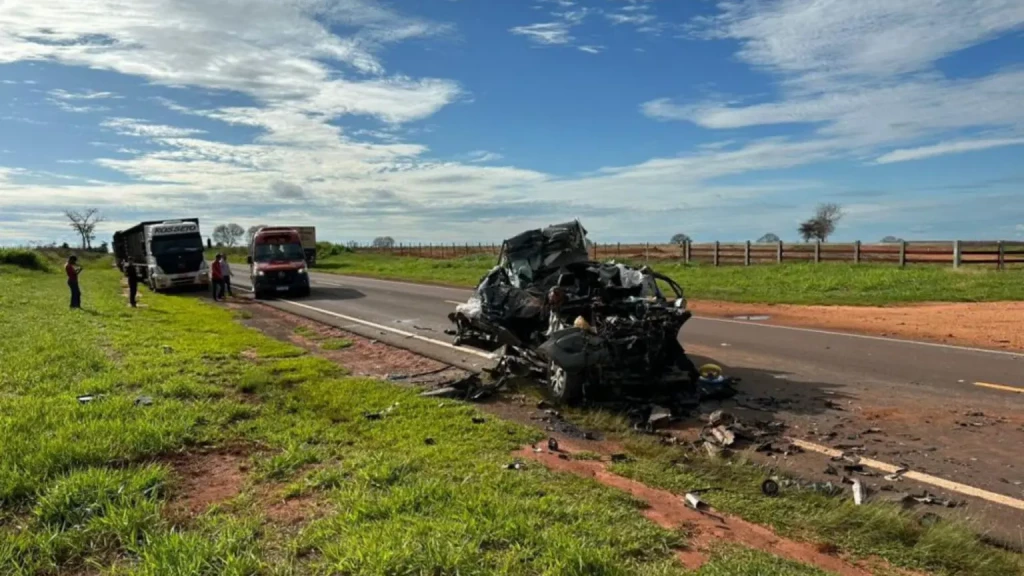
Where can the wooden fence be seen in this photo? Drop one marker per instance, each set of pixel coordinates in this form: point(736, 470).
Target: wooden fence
point(999, 254)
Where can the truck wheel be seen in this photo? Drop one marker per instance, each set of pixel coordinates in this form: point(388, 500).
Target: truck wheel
point(564, 387)
point(305, 292)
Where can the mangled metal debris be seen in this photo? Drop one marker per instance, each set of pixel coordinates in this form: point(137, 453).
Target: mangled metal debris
point(585, 328)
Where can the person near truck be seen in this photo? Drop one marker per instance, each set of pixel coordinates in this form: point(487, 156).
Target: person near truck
point(225, 270)
point(133, 280)
point(217, 278)
point(72, 269)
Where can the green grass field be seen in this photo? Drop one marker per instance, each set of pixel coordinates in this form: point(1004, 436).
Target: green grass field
point(826, 283)
point(88, 487)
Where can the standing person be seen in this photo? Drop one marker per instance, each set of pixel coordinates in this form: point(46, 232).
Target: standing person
point(72, 269)
point(217, 278)
point(133, 280)
point(225, 270)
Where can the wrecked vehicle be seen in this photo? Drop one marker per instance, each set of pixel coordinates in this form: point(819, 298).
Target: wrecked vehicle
point(584, 327)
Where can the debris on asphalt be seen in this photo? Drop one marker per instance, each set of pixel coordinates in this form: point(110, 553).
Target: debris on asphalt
point(930, 499)
point(721, 418)
point(897, 475)
point(770, 488)
point(720, 436)
point(831, 470)
point(514, 466)
point(873, 431)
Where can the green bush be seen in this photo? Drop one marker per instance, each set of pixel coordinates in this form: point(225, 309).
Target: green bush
point(328, 249)
point(27, 259)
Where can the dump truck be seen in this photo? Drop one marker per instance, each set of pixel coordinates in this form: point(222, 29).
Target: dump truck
point(166, 254)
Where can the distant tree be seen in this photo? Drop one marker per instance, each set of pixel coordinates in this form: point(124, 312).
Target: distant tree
point(352, 244)
point(252, 232)
point(383, 242)
point(891, 240)
point(84, 224)
point(822, 224)
point(65, 246)
point(768, 238)
point(228, 234)
point(103, 248)
point(680, 239)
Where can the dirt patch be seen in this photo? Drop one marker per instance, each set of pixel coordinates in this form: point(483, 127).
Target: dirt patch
point(204, 480)
point(292, 511)
point(985, 324)
point(706, 528)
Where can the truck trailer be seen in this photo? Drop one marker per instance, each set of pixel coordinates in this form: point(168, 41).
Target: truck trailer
point(165, 253)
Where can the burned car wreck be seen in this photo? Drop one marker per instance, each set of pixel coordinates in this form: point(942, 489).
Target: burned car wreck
point(587, 329)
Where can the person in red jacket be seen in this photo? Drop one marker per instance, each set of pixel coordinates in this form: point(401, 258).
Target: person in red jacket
point(217, 278)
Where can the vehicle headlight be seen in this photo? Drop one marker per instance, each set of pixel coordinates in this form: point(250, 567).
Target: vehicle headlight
point(302, 270)
point(261, 273)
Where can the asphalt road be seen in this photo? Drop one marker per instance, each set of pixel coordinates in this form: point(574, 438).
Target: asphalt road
point(844, 358)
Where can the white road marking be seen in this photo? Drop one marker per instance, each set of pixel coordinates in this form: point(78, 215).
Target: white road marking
point(865, 337)
point(396, 331)
point(918, 476)
point(454, 302)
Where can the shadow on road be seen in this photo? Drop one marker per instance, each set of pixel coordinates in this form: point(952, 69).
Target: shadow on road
point(335, 293)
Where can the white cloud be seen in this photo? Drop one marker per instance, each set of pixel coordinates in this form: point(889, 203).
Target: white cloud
point(86, 95)
point(591, 49)
point(545, 33)
point(484, 156)
point(135, 127)
point(862, 73)
point(944, 148)
point(68, 107)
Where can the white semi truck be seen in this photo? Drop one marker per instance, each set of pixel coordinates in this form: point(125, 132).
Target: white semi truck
point(166, 254)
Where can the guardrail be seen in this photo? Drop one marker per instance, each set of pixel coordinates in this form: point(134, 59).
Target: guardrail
point(997, 253)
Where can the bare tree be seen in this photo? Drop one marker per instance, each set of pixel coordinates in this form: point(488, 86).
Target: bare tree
point(352, 244)
point(235, 232)
point(84, 223)
point(891, 240)
point(228, 234)
point(822, 224)
point(383, 242)
point(680, 239)
point(251, 232)
point(768, 238)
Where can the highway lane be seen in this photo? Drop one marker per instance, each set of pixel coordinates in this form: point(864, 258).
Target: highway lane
point(846, 359)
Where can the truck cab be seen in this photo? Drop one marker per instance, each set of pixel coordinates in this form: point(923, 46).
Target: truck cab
point(277, 263)
point(165, 254)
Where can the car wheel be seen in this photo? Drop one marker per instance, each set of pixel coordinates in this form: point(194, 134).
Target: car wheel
point(564, 387)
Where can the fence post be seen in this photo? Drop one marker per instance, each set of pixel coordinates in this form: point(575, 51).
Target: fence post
point(687, 254)
point(746, 254)
point(856, 252)
point(817, 251)
point(956, 253)
point(647, 253)
point(903, 253)
point(715, 257)
point(618, 250)
point(1002, 253)
point(778, 254)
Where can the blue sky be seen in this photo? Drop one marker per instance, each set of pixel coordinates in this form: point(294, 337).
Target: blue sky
point(465, 120)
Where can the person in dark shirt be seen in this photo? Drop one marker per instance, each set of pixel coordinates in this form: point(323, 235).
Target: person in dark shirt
point(72, 269)
point(133, 280)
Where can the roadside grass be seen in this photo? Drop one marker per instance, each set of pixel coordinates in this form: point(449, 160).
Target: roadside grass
point(27, 259)
point(86, 486)
point(335, 344)
point(827, 283)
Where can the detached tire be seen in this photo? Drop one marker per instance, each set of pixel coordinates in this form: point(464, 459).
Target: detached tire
point(563, 387)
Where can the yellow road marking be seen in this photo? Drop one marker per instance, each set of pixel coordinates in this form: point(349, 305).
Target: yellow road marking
point(1000, 387)
point(919, 476)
